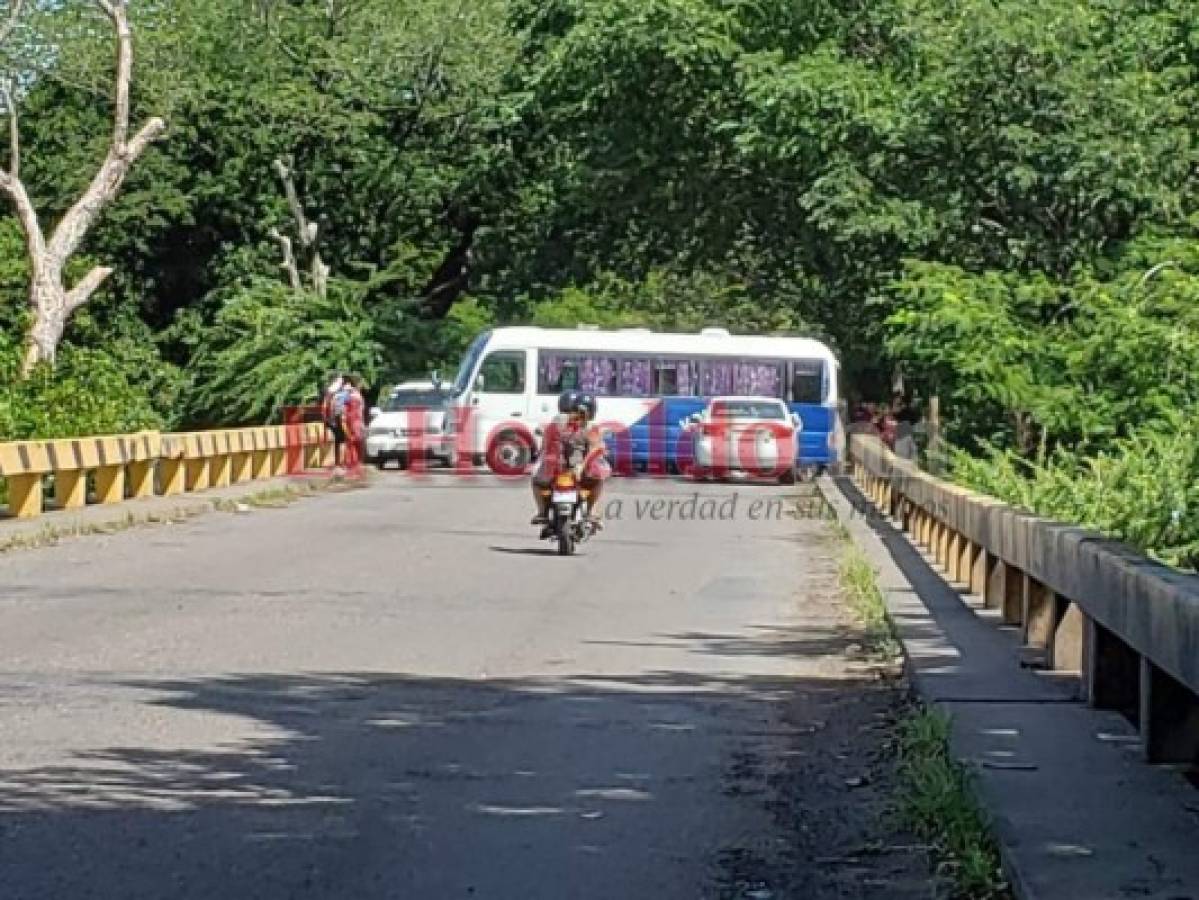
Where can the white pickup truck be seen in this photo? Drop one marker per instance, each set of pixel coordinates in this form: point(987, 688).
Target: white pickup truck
point(410, 420)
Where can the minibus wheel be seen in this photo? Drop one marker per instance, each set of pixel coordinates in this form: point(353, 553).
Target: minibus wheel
point(510, 454)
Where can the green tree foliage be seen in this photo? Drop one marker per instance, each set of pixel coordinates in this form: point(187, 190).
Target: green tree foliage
point(1142, 489)
point(1076, 397)
point(110, 378)
point(991, 194)
point(270, 347)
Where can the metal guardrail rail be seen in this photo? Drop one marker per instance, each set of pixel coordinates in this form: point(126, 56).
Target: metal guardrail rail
point(153, 464)
point(1087, 604)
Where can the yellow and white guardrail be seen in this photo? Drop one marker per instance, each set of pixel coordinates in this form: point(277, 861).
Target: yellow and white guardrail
point(152, 463)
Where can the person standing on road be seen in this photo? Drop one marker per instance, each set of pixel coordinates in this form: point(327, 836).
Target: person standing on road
point(331, 409)
point(888, 426)
point(905, 436)
point(355, 424)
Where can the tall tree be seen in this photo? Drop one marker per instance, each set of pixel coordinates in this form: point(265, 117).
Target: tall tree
point(51, 301)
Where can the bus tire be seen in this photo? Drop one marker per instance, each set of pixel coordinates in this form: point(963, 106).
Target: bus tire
point(510, 453)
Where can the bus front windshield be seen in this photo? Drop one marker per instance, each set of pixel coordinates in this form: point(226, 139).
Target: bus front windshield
point(462, 379)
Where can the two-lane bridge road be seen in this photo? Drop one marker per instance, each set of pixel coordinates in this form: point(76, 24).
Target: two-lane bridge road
point(398, 692)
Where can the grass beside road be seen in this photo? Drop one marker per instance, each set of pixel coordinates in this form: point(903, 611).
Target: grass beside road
point(51, 533)
point(936, 796)
point(859, 584)
point(270, 498)
point(937, 802)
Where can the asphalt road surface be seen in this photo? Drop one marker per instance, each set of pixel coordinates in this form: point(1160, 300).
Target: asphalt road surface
point(398, 692)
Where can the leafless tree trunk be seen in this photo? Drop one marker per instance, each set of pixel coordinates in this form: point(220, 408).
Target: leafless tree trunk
point(1024, 433)
point(51, 300)
point(11, 19)
point(309, 233)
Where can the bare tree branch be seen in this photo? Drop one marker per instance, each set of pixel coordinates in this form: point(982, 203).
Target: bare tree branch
point(14, 129)
point(116, 12)
point(293, 200)
point(104, 186)
point(309, 233)
point(10, 107)
point(52, 304)
point(10, 23)
point(35, 240)
point(150, 132)
point(88, 285)
point(121, 154)
point(10, 181)
point(320, 276)
point(289, 260)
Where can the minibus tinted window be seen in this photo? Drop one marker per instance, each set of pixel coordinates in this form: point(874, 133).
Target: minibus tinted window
point(592, 372)
point(807, 381)
point(635, 378)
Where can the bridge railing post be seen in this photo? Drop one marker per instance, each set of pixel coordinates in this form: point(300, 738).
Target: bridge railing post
point(1060, 585)
point(1169, 718)
point(24, 495)
point(70, 489)
point(140, 474)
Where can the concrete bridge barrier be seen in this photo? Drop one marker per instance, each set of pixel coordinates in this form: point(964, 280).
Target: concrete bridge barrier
point(1127, 626)
point(151, 463)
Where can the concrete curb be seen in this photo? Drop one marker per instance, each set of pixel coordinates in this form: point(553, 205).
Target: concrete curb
point(65, 525)
point(1075, 811)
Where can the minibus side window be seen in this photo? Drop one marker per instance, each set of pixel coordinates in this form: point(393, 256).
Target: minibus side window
point(503, 372)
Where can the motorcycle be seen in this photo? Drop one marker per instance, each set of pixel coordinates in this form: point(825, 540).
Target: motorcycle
point(569, 513)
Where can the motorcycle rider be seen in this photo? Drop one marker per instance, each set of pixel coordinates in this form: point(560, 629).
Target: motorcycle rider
point(572, 432)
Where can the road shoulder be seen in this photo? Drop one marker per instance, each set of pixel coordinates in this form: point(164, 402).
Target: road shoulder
point(1075, 811)
point(56, 526)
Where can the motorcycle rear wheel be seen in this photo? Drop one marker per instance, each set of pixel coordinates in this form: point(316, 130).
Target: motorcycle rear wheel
point(566, 538)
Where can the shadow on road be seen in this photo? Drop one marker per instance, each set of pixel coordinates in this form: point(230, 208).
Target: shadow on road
point(361, 785)
point(525, 551)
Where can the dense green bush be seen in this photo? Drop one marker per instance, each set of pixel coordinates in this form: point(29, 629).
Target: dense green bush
point(1143, 489)
point(269, 347)
point(89, 392)
point(413, 347)
point(1072, 397)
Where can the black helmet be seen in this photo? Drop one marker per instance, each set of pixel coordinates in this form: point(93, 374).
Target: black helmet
point(577, 401)
point(568, 401)
point(588, 406)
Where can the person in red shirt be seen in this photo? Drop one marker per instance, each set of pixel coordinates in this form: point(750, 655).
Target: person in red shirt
point(888, 426)
point(572, 432)
point(355, 425)
point(332, 415)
